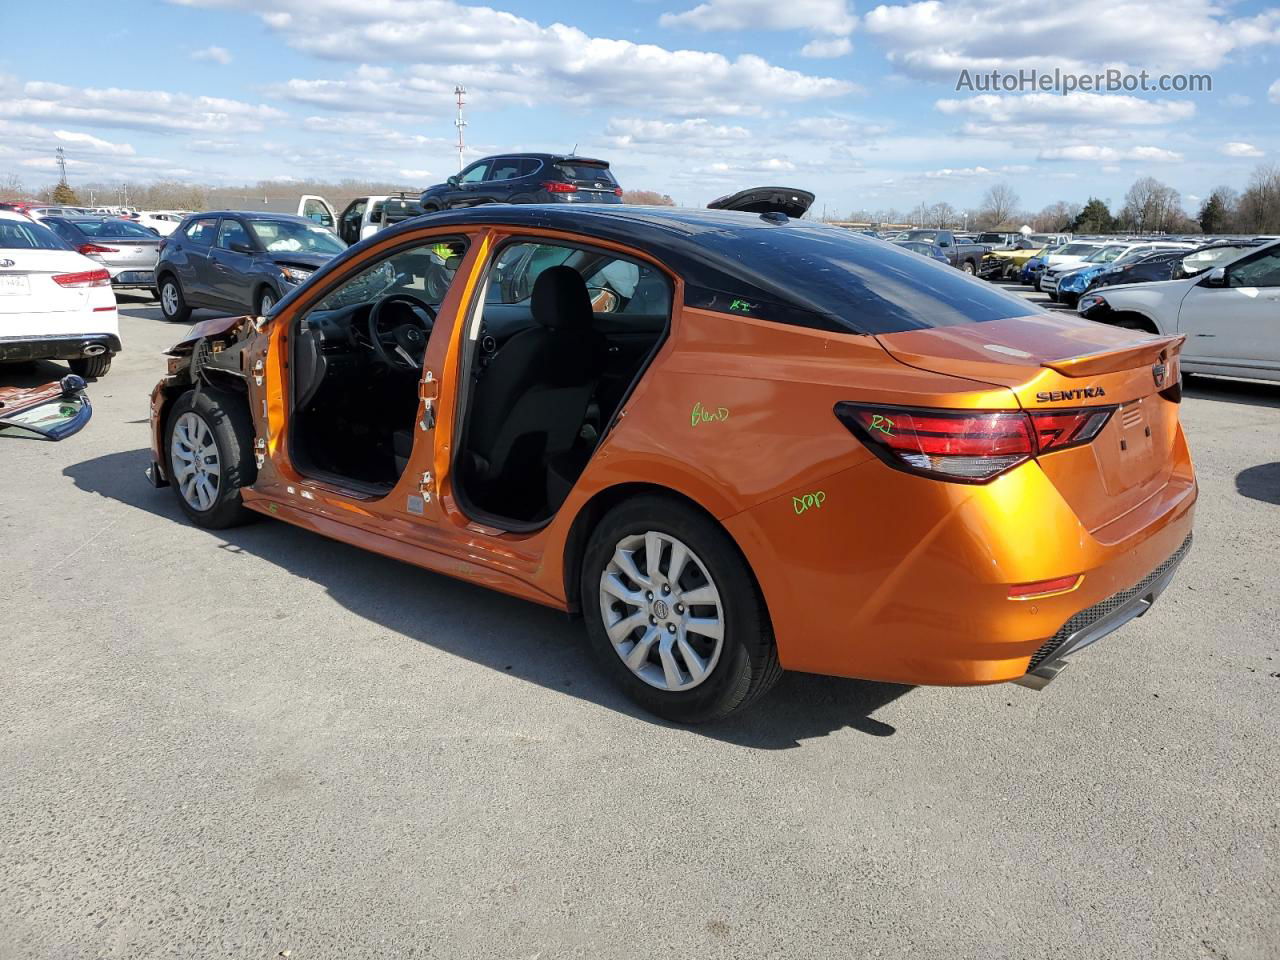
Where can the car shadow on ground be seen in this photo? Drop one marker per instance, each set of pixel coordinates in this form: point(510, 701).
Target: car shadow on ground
point(1260, 483)
point(475, 623)
point(32, 373)
point(1254, 393)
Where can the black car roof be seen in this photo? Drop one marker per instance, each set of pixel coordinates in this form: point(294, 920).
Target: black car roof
point(544, 157)
point(732, 262)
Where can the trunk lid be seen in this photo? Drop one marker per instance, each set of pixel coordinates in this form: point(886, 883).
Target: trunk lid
point(27, 285)
point(1050, 364)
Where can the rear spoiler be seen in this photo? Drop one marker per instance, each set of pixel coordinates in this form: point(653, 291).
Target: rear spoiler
point(1150, 351)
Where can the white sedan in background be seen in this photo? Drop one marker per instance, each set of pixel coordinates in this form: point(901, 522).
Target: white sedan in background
point(55, 304)
point(1230, 315)
point(161, 221)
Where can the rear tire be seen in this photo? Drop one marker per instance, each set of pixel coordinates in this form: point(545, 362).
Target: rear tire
point(91, 368)
point(968, 268)
point(172, 303)
point(208, 445)
point(680, 672)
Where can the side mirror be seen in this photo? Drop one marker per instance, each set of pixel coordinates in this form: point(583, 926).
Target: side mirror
point(71, 384)
point(1217, 277)
point(452, 181)
point(242, 248)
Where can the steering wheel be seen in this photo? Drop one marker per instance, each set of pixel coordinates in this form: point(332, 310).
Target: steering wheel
point(404, 346)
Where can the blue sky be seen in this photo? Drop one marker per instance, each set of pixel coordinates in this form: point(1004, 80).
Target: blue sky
point(855, 102)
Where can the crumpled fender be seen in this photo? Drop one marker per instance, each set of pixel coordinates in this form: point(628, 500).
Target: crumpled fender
point(211, 328)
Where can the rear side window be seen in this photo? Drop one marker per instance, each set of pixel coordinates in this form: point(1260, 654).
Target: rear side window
point(585, 173)
point(201, 232)
point(1077, 249)
point(505, 168)
point(16, 235)
point(831, 278)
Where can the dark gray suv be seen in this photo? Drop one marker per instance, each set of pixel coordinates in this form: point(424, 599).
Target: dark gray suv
point(240, 262)
point(526, 178)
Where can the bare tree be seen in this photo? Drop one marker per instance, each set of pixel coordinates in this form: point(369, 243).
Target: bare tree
point(1152, 207)
point(1259, 207)
point(942, 215)
point(11, 186)
point(999, 205)
point(650, 198)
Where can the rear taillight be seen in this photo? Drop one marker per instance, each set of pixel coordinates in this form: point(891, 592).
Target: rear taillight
point(556, 186)
point(617, 191)
point(88, 248)
point(86, 278)
point(967, 446)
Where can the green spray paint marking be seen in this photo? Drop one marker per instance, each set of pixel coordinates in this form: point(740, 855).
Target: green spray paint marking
point(703, 414)
point(742, 306)
point(809, 500)
point(883, 424)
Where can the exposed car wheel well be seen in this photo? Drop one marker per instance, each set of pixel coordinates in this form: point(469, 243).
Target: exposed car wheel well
point(594, 510)
point(1132, 321)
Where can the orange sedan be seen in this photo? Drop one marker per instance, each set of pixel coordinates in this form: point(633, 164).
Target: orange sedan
point(736, 444)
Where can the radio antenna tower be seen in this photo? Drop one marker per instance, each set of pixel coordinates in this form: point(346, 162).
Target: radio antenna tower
point(461, 93)
point(61, 159)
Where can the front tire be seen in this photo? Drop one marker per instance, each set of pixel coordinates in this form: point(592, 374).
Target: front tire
point(91, 368)
point(172, 303)
point(968, 268)
point(673, 613)
point(266, 300)
point(209, 445)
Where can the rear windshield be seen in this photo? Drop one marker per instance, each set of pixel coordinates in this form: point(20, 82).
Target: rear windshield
point(17, 235)
point(121, 229)
point(1077, 249)
point(859, 284)
point(585, 172)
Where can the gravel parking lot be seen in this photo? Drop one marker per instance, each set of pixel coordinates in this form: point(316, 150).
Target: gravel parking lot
point(263, 743)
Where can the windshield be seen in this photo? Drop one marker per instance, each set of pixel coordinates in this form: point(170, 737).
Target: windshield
point(290, 236)
point(1106, 254)
point(19, 235)
point(916, 245)
point(1076, 250)
point(119, 229)
point(1202, 260)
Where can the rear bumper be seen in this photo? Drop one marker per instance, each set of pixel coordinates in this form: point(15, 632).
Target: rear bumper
point(59, 347)
point(1101, 619)
point(134, 280)
point(907, 579)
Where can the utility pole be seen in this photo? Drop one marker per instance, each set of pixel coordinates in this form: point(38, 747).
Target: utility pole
point(460, 91)
point(62, 163)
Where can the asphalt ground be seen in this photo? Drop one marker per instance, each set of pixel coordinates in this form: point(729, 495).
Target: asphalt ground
point(262, 743)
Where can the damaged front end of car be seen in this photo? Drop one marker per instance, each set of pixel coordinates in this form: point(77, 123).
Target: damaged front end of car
point(212, 355)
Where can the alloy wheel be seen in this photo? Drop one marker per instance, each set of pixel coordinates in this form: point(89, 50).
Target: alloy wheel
point(268, 301)
point(169, 299)
point(662, 611)
point(196, 465)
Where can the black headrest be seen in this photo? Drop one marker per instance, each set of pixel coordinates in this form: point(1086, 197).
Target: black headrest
point(560, 299)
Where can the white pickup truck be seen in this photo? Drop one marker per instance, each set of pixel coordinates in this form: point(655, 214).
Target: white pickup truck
point(1230, 315)
point(362, 217)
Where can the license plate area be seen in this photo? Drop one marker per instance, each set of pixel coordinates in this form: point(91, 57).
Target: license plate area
point(14, 285)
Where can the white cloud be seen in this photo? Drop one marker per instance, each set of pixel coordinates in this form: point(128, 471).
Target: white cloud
point(1238, 100)
point(1093, 153)
point(131, 109)
point(831, 47)
point(699, 132)
point(503, 58)
point(214, 54)
point(1091, 108)
point(821, 16)
point(939, 39)
point(1237, 149)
